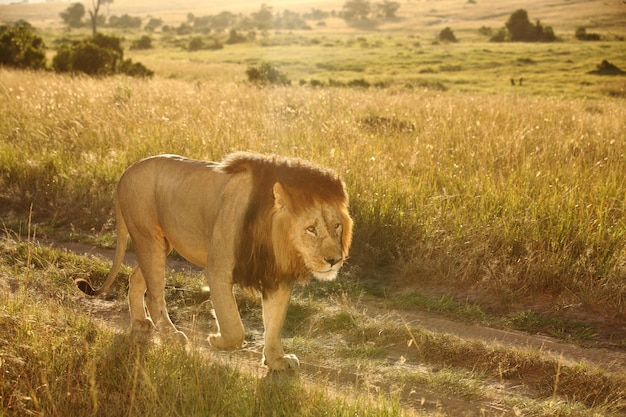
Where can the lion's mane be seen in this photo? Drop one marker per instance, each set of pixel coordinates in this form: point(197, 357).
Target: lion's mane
point(264, 257)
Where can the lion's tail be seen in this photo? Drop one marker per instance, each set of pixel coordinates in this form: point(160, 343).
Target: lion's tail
point(120, 249)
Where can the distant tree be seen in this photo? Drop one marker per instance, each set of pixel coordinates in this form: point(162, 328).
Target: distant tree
point(583, 35)
point(223, 20)
point(93, 15)
point(447, 35)
point(20, 47)
point(73, 15)
point(184, 29)
point(108, 3)
point(519, 26)
point(153, 24)
point(125, 22)
point(522, 30)
point(263, 19)
point(387, 9)
point(316, 14)
point(356, 10)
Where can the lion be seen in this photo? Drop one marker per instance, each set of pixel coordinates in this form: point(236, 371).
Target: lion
point(262, 222)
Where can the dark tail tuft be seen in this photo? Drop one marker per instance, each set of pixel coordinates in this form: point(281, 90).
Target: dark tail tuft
point(85, 286)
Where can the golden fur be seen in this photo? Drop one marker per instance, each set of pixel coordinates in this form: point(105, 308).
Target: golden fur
point(262, 222)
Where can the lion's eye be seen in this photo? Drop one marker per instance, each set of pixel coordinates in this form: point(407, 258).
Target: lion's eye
point(312, 230)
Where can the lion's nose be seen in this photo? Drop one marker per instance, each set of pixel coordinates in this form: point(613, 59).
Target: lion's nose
point(331, 260)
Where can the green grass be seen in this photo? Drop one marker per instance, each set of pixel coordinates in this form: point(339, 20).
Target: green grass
point(404, 62)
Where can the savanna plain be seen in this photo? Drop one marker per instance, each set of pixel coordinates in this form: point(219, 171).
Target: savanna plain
point(488, 270)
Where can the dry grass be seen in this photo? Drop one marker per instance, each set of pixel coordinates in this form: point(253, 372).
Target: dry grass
point(516, 195)
point(58, 357)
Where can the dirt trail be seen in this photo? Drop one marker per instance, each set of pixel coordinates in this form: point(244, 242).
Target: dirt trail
point(419, 398)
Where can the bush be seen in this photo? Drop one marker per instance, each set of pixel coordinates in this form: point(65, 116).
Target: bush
point(235, 37)
point(197, 43)
point(500, 36)
point(135, 69)
point(92, 59)
point(358, 83)
point(265, 73)
point(125, 22)
point(145, 42)
point(447, 35)
point(521, 30)
point(581, 34)
point(20, 47)
point(485, 31)
point(99, 55)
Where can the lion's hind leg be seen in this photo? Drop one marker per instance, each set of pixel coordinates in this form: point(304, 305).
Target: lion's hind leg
point(152, 258)
point(141, 324)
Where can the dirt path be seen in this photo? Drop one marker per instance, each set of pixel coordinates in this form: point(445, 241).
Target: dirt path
point(419, 398)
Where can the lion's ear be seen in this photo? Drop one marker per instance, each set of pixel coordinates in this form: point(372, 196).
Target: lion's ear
point(280, 196)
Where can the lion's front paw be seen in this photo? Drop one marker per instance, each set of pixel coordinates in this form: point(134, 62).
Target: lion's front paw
point(178, 337)
point(218, 341)
point(285, 363)
point(142, 326)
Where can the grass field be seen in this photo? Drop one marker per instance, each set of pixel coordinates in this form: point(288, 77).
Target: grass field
point(482, 201)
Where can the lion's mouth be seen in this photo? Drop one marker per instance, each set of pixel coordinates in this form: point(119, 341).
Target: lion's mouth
point(326, 275)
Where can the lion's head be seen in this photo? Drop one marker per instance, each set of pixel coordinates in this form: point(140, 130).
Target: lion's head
point(318, 234)
point(297, 223)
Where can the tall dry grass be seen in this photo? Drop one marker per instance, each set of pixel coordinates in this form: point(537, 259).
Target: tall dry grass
point(508, 194)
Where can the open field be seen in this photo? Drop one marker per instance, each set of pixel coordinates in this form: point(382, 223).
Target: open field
point(398, 54)
point(418, 15)
point(480, 207)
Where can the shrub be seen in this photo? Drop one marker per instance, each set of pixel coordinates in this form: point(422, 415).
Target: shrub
point(581, 34)
point(197, 43)
point(145, 42)
point(521, 30)
point(485, 31)
point(359, 83)
point(235, 37)
point(266, 73)
point(135, 69)
point(499, 36)
point(125, 22)
point(20, 47)
point(99, 55)
point(92, 59)
point(447, 35)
